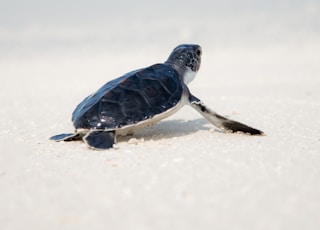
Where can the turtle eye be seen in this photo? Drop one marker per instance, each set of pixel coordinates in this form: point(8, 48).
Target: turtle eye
point(198, 52)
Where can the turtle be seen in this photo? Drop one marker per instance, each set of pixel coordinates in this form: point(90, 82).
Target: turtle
point(142, 98)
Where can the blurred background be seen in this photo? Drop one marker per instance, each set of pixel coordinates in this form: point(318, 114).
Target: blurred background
point(89, 27)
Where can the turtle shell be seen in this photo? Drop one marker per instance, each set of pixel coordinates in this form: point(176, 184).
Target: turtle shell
point(130, 99)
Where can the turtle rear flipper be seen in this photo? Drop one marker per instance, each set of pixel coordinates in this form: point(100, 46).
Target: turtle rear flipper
point(66, 137)
point(100, 140)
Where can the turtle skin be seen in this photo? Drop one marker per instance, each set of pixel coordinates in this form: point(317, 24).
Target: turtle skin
point(136, 96)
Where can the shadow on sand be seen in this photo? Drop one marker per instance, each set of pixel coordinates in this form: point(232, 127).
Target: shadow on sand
point(169, 129)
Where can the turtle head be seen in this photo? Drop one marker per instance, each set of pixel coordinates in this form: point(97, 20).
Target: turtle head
point(186, 60)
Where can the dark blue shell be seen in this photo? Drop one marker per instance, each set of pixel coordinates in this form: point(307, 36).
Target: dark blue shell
point(132, 98)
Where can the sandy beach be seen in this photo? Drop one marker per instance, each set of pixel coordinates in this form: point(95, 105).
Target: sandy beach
point(260, 66)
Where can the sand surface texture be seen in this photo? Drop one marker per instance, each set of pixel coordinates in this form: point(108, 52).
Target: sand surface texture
point(260, 66)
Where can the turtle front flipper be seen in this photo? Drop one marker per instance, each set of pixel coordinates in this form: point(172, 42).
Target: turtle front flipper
point(66, 137)
point(100, 140)
point(220, 121)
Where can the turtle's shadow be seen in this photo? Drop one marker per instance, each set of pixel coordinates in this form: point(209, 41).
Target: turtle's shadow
point(169, 129)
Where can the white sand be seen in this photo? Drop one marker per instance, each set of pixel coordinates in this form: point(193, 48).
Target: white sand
point(261, 68)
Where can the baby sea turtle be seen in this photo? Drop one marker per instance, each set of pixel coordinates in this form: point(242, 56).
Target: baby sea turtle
point(142, 98)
